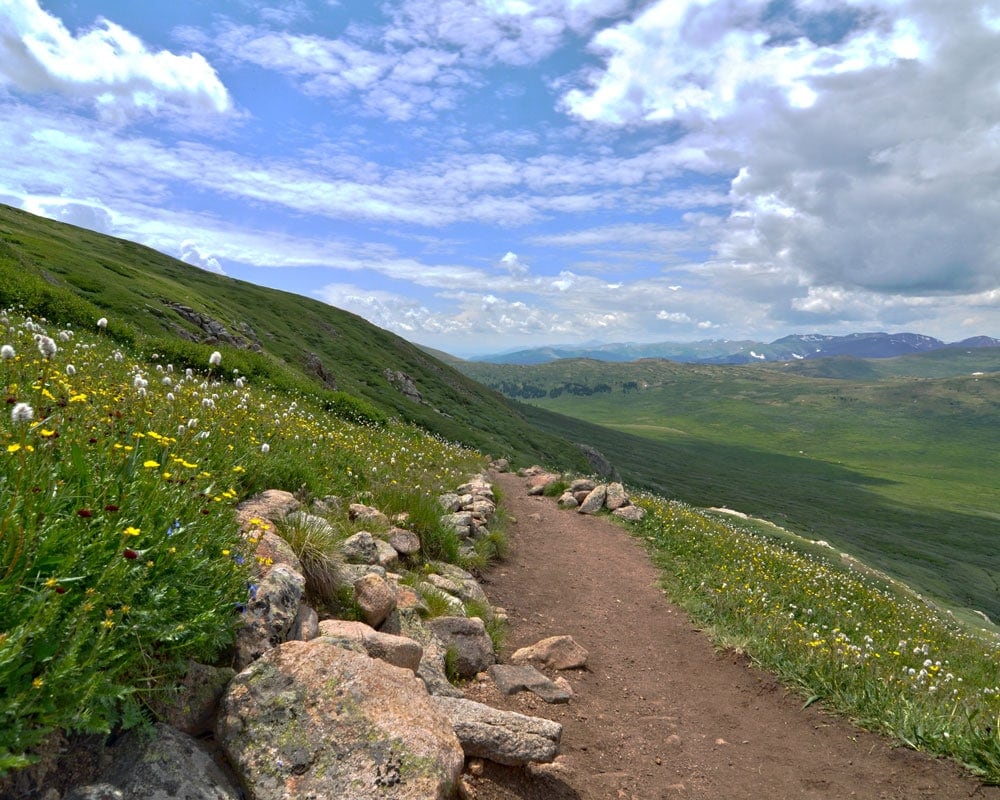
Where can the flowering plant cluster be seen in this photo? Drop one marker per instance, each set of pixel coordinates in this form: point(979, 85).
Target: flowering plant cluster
point(861, 643)
point(120, 557)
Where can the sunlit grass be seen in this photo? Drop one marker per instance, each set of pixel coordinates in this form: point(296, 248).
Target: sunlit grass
point(862, 646)
point(120, 557)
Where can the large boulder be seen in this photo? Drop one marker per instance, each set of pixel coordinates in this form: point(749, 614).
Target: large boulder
point(467, 639)
point(503, 737)
point(191, 709)
point(272, 549)
point(165, 765)
point(311, 719)
point(270, 613)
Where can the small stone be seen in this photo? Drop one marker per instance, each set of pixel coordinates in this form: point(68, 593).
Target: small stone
point(404, 542)
point(555, 652)
point(375, 597)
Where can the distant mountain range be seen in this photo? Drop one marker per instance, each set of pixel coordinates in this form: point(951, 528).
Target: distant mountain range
point(727, 351)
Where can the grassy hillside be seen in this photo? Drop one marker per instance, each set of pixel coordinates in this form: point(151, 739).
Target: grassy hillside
point(899, 471)
point(73, 276)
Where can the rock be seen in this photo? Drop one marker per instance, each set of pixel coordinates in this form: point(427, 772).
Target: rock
point(357, 512)
point(500, 465)
point(376, 598)
point(272, 549)
point(269, 614)
point(566, 500)
point(311, 719)
point(511, 679)
point(327, 505)
point(630, 513)
point(503, 737)
point(450, 502)
point(580, 496)
point(404, 383)
point(537, 483)
point(408, 601)
point(400, 651)
point(597, 460)
point(594, 501)
point(432, 665)
point(555, 652)
point(616, 497)
point(404, 542)
point(306, 624)
point(467, 638)
point(272, 505)
point(95, 791)
point(192, 709)
point(460, 522)
point(387, 555)
point(443, 583)
point(482, 508)
point(582, 485)
point(169, 764)
point(360, 548)
point(347, 574)
point(426, 588)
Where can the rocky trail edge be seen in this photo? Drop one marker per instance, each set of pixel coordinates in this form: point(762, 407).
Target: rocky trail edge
point(658, 712)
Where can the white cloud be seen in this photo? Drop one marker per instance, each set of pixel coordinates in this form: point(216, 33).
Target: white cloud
point(192, 253)
point(106, 66)
point(514, 265)
point(84, 214)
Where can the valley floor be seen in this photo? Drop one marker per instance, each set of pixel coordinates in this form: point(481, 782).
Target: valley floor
point(658, 713)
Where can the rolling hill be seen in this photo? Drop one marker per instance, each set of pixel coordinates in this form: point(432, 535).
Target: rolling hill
point(75, 276)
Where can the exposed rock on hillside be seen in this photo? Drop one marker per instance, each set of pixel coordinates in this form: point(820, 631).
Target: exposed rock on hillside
point(214, 331)
point(404, 383)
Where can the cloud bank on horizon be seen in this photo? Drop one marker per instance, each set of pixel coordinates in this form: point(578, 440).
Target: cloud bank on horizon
point(484, 174)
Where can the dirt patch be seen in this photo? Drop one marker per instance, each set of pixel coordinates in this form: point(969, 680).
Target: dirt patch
point(658, 713)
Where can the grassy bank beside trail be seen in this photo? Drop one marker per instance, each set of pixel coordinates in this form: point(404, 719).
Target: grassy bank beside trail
point(863, 646)
point(120, 557)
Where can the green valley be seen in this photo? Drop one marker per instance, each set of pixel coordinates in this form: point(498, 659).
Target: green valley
point(898, 469)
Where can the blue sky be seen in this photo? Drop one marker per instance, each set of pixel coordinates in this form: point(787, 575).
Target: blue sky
point(479, 175)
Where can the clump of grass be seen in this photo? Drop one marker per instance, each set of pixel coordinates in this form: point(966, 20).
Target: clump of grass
point(495, 626)
point(317, 544)
point(437, 603)
point(861, 645)
point(555, 489)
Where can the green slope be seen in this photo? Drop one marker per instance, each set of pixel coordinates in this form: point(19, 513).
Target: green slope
point(901, 472)
point(74, 275)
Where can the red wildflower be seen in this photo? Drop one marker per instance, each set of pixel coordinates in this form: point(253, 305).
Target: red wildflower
point(130, 553)
point(86, 513)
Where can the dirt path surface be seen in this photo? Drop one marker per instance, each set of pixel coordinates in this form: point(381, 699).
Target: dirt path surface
point(658, 713)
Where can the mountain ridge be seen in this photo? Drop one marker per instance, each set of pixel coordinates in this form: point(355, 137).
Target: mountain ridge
point(745, 351)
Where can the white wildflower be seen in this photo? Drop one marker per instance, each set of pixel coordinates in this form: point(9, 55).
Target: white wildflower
point(265, 448)
point(102, 322)
point(7, 352)
point(215, 359)
point(170, 396)
point(70, 370)
point(46, 346)
point(22, 412)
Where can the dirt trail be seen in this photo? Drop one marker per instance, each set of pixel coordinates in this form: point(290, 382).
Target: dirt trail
point(658, 713)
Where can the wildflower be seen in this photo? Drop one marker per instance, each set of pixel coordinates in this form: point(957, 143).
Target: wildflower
point(111, 508)
point(38, 683)
point(86, 513)
point(7, 352)
point(150, 464)
point(70, 370)
point(102, 322)
point(215, 359)
point(13, 448)
point(22, 412)
point(132, 531)
point(265, 448)
point(46, 346)
point(130, 554)
point(47, 434)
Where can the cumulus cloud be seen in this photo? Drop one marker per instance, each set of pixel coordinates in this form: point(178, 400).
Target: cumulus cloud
point(861, 140)
point(192, 253)
point(514, 265)
point(106, 66)
point(83, 214)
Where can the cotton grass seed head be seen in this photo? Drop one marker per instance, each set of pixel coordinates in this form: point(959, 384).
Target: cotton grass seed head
point(215, 359)
point(102, 322)
point(7, 352)
point(47, 346)
point(22, 412)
